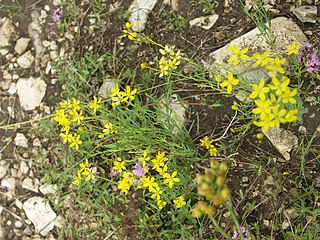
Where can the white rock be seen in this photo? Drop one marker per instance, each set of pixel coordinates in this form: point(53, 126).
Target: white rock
point(30, 92)
point(283, 140)
point(21, 45)
point(24, 168)
point(18, 203)
point(30, 184)
point(9, 183)
point(174, 112)
point(3, 170)
point(20, 140)
point(105, 89)
point(25, 60)
point(306, 13)
point(56, 2)
point(140, 10)
point(40, 214)
point(7, 31)
point(13, 88)
point(36, 142)
point(47, 8)
point(4, 51)
point(206, 22)
point(48, 189)
point(18, 224)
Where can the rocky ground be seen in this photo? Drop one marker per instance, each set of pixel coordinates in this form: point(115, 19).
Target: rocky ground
point(29, 91)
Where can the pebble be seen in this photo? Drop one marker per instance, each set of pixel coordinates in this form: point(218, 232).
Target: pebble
point(36, 142)
point(25, 61)
point(24, 168)
point(13, 88)
point(21, 45)
point(18, 224)
point(9, 183)
point(3, 170)
point(32, 185)
point(20, 140)
point(9, 222)
point(245, 179)
point(48, 189)
point(47, 8)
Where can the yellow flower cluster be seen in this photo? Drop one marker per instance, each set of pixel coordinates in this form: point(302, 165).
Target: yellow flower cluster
point(210, 185)
point(133, 36)
point(272, 109)
point(208, 145)
point(85, 172)
point(107, 130)
point(170, 60)
point(140, 177)
point(119, 97)
point(70, 116)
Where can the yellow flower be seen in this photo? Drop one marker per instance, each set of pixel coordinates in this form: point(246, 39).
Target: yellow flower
point(161, 171)
point(206, 142)
point(75, 104)
point(259, 90)
point(83, 166)
point(128, 94)
point(143, 65)
point(278, 116)
point(65, 104)
point(156, 193)
point(124, 186)
point(275, 67)
point(89, 173)
point(287, 96)
point(116, 96)
point(292, 115)
point(263, 59)
point(238, 54)
point(119, 165)
point(77, 179)
point(143, 159)
point(293, 48)
point(75, 141)
point(95, 104)
point(229, 82)
point(213, 151)
point(279, 86)
point(179, 202)
point(161, 203)
point(66, 137)
point(265, 123)
point(263, 108)
point(149, 182)
point(128, 25)
point(170, 179)
point(77, 117)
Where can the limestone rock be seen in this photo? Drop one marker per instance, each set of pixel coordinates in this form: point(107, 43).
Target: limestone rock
point(9, 183)
point(7, 31)
point(206, 22)
point(306, 14)
point(31, 184)
point(40, 214)
point(283, 140)
point(140, 10)
point(3, 170)
point(30, 92)
point(105, 89)
point(21, 45)
point(48, 189)
point(25, 61)
point(20, 140)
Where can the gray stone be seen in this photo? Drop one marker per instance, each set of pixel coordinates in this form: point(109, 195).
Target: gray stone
point(283, 140)
point(140, 10)
point(40, 213)
point(21, 45)
point(306, 13)
point(20, 140)
point(205, 22)
point(24, 168)
point(25, 60)
point(3, 170)
point(9, 183)
point(31, 184)
point(30, 92)
point(105, 89)
point(13, 88)
point(48, 189)
point(7, 32)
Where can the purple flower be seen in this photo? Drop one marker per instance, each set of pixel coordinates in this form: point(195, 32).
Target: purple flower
point(57, 15)
point(139, 171)
point(308, 56)
point(113, 172)
point(206, 65)
point(245, 232)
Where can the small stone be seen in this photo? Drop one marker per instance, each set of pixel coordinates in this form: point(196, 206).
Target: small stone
point(266, 222)
point(3, 170)
point(306, 13)
point(269, 181)
point(24, 168)
point(47, 8)
point(36, 142)
point(302, 129)
point(7, 32)
point(13, 88)
point(43, 14)
point(25, 61)
point(30, 92)
point(21, 45)
point(48, 189)
point(105, 89)
point(18, 203)
point(9, 222)
point(245, 179)
point(9, 183)
point(308, 32)
point(14, 173)
point(20, 140)
point(290, 213)
point(18, 224)
point(285, 224)
point(56, 2)
point(32, 185)
point(4, 51)
point(41, 214)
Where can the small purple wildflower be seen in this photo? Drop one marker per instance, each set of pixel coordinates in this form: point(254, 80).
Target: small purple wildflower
point(307, 55)
point(57, 15)
point(245, 233)
point(113, 172)
point(206, 65)
point(95, 172)
point(139, 171)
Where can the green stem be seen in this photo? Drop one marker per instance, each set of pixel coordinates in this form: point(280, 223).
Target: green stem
point(218, 228)
point(21, 123)
point(234, 218)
